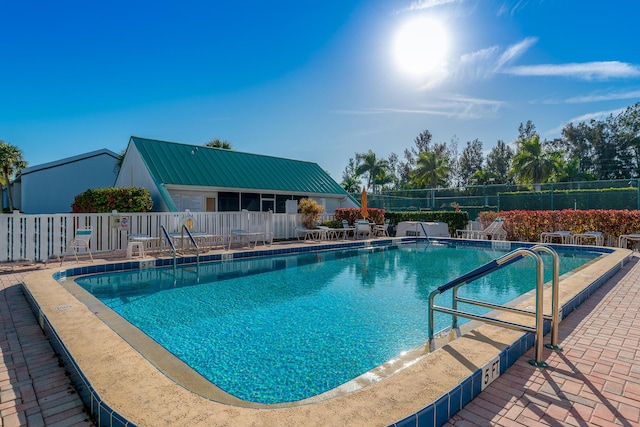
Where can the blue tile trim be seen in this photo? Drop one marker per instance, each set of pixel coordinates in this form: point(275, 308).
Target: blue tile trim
point(100, 411)
point(435, 414)
point(470, 387)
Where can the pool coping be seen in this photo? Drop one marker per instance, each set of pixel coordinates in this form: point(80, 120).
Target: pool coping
point(122, 388)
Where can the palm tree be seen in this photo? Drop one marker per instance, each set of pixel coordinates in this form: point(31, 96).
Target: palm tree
point(431, 170)
point(369, 164)
point(218, 143)
point(12, 162)
point(532, 164)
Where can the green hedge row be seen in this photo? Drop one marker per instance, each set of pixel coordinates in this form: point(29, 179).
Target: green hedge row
point(127, 199)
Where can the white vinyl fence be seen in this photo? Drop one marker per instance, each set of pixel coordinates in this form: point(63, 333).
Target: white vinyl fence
point(43, 237)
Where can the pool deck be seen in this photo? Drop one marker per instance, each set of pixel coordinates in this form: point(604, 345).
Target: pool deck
point(595, 380)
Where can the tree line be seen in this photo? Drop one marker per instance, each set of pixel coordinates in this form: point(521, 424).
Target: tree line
point(594, 150)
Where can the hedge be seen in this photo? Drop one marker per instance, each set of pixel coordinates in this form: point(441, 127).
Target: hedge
point(527, 226)
point(126, 199)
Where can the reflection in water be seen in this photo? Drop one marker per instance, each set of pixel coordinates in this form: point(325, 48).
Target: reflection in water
point(281, 329)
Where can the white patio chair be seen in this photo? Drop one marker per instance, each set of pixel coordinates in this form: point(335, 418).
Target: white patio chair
point(81, 240)
point(381, 229)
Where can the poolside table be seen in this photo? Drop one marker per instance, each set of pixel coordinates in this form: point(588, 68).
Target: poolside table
point(147, 241)
point(565, 237)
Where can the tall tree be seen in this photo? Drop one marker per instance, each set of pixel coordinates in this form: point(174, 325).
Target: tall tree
point(12, 162)
point(627, 131)
point(218, 143)
point(470, 161)
point(532, 164)
point(371, 166)
point(499, 162)
point(431, 170)
point(350, 181)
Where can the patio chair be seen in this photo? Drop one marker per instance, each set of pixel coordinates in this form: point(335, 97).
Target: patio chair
point(363, 228)
point(81, 240)
point(494, 231)
point(348, 229)
point(381, 229)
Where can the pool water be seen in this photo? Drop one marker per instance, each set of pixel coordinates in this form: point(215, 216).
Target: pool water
point(282, 329)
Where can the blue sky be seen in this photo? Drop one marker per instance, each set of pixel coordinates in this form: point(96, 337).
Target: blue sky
point(315, 81)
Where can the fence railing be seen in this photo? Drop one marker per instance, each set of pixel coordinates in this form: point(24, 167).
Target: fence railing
point(44, 237)
point(609, 194)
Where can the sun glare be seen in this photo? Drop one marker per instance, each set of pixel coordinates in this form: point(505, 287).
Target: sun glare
point(420, 46)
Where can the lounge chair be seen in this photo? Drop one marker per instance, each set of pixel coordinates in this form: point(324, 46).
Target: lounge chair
point(493, 231)
point(80, 241)
point(243, 235)
point(381, 229)
point(303, 233)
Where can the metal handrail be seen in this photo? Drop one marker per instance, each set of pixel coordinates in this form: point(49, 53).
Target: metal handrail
point(425, 232)
point(484, 270)
point(171, 245)
point(555, 295)
point(193, 241)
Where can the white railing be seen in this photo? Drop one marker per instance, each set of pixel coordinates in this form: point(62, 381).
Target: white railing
point(43, 237)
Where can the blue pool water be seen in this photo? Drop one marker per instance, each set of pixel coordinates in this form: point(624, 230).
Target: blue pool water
point(282, 329)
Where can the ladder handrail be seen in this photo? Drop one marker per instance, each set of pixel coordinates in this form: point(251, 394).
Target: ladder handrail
point(193, 241)
point(484, 270)
point(173, 248)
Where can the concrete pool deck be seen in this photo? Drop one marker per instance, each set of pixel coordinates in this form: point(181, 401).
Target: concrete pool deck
point(378, 404)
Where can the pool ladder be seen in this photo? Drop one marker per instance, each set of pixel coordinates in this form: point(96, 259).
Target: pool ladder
point(184, 230)
point(539, 315)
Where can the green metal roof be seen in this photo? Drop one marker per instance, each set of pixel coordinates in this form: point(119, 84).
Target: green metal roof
point(172, 163)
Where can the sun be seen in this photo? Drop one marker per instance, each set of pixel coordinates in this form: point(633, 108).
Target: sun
point(420, 46)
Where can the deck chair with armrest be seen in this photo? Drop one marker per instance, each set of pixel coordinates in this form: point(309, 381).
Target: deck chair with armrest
point(382, 229)
point(348, 229)
point(81, 240)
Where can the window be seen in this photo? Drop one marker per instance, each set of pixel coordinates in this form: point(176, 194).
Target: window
point(229, 202)
point(251, 201)
point(268, 202)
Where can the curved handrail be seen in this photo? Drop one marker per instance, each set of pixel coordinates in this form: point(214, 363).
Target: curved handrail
point(173, 248)
point(484, 270)
point(555, 295)
point(425, 232)
point(193, 241)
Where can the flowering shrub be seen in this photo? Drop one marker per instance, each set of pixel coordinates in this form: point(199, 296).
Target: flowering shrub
point(127, 199)
point(352, 214)
point(527, 225)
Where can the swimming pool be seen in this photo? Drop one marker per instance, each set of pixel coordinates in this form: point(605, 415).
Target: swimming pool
point(282, 329)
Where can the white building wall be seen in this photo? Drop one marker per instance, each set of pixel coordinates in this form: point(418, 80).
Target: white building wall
point(51, 188)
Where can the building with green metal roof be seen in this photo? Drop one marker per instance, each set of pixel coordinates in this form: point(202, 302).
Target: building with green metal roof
point(198, 178)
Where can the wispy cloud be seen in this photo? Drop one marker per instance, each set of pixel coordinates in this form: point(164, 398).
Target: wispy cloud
point(428, 4)
point(514, 52)
point(512, 8)
point(453, 106)
point(485, 63)
point(603, 70)
point(599, 97)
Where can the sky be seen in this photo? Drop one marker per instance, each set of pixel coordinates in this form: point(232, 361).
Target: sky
point(312, 81)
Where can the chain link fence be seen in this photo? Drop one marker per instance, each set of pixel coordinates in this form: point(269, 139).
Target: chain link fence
point(612, 194)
